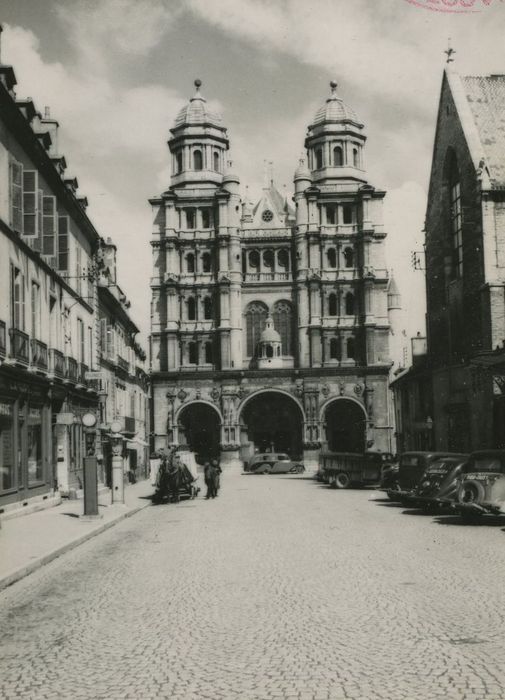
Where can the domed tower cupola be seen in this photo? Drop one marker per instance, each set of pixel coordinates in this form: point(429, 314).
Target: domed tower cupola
point(198, 144)
point(269, 355)
point(335, 141)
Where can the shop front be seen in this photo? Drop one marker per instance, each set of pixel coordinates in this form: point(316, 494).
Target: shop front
point(26, 447)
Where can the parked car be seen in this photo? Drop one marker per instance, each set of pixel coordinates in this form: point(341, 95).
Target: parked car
point(482, 484)
point(411, 468)
point(344, 469)
point(274, 463)
point(439, 484)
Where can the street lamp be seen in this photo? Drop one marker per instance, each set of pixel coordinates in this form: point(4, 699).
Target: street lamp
point(117, 463)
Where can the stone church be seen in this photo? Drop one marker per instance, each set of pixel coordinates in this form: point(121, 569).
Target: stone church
point(270, 322)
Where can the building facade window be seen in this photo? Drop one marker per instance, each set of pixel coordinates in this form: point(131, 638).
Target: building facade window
point(349, 257)
point(35, 309)
point(331, 214)
point(319, 158)
point(207, 308)
point(254, 260)
point(349, 304)
point(7, 437)
point(332, 304)
point(206, 218)
point(351, 350)
point(34, 445)
point(191, 309)
point(190, 218)
point(206, 262)
point(197, 160)
point(190, 262)
point(338, 156)
point(348, 214)
point(30, 202)
point(355, 157)
point(456, 224)
point(283, 323)
point(17, 298)
point(331, 256)
point(268, 259)
point(63, 230)
point(178, 160)
point(283, 259)
point(216, 161)
point(16, 195)
point(192, 353)
point(256, 315)
point(335, 349)
point(208, 353)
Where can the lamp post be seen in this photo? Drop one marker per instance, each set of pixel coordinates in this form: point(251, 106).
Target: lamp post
point(90, 472)
point(117, 463)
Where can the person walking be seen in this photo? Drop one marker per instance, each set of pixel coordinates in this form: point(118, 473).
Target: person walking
point(218, 471)
point(210, 480)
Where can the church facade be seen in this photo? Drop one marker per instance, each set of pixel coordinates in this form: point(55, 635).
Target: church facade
point(270, 322)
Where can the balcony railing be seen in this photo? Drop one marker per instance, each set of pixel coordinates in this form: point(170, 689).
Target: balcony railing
point(3, 339)
point(123, 364)
point(72, 370)
point(57, 363)
point(39, 359)
point(266, 276)
point(20, 345)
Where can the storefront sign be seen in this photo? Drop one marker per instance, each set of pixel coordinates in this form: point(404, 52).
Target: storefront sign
point(64, 419)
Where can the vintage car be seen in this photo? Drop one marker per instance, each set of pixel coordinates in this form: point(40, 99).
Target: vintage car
point(439, 484)
point(411, 468)
point(273, 463)
point(345, 469)
point(482, 485)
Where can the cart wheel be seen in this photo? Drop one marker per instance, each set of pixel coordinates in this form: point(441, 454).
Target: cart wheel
point(342, 480)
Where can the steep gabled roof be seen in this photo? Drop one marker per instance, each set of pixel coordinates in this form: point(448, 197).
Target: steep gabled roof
point(486, 98)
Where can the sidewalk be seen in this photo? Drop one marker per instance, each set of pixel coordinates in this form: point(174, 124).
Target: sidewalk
point(30, 541)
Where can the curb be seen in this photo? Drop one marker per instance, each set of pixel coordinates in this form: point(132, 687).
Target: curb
point(18, 574)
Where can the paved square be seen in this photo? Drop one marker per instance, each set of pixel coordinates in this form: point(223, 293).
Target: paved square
point(279, 588)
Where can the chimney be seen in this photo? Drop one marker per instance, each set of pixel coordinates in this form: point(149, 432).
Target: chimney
point(51, 125)
point(109, 259)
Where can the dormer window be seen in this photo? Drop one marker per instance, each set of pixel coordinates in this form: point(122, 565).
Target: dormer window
point(197, 160)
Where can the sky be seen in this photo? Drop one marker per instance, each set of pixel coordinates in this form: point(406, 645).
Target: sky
point(115, 73)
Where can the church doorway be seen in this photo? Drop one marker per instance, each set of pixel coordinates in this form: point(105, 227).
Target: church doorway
point(271, 422)
point(200, 431)
point(345, 425)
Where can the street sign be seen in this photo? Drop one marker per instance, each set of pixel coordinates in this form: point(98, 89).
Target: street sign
point(90, 375)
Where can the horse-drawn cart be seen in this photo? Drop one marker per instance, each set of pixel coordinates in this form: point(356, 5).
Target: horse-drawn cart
point(177, 478)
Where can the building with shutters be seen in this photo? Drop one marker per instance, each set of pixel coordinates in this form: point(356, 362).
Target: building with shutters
point(50, 260)
point(270, 321)
point(123, 376)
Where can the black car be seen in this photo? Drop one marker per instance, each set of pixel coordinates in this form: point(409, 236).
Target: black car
point(412, 467)
point(439, 484)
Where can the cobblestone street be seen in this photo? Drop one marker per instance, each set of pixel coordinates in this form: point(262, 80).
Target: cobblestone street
point(280, 588)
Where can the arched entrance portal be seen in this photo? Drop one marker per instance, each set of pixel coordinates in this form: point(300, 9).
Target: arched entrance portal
point(200, 430)
point(271, 422)
point(345, 425)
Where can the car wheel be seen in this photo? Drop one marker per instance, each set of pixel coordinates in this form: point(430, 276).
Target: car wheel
point(471, 492)
point(342, 480)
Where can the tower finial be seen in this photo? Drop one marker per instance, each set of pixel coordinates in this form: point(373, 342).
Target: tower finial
point(449, 51)
point(334, 86)
point(198, 83)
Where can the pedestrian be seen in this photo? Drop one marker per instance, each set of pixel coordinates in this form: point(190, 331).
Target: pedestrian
point(218, 471)
point(210, 480)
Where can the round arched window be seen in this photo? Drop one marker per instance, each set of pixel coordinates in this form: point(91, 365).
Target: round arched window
point(267, 216)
